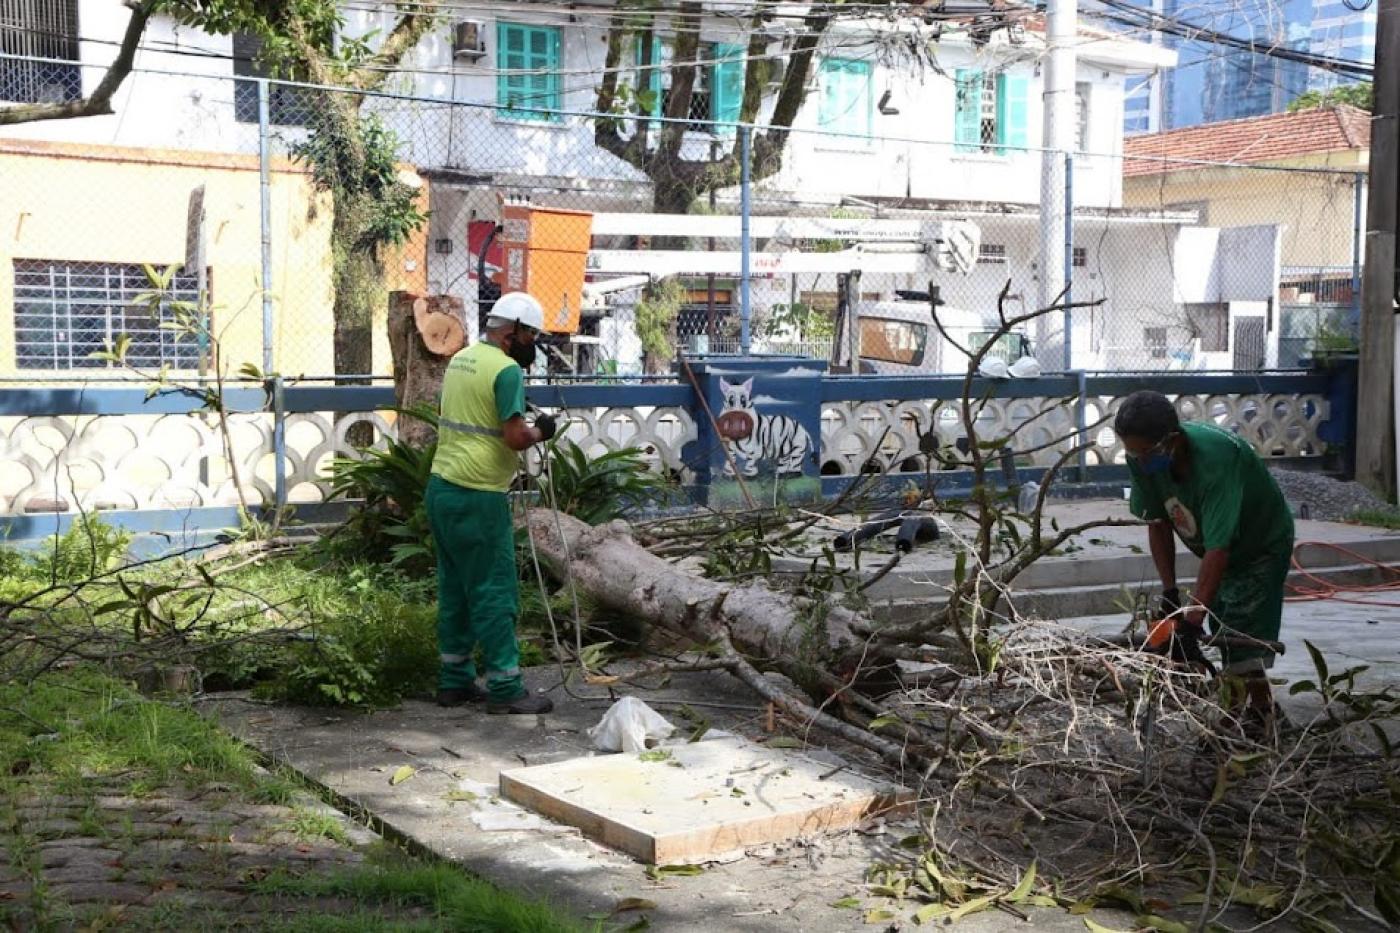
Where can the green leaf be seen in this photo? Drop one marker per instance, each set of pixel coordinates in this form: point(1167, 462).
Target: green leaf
point(1093, 927)
point(655, 754)
point(1302, 686)
point(784, 741)
point(403, 774)
point(849, 902)
point(250, 371)
point(929, 912)
point(960, 569)
point(973, 906)
point(879, 722)
point(1162, 924)
point(1023, 887)
point(880, 915)
point(633, 903)
point(1319, 662)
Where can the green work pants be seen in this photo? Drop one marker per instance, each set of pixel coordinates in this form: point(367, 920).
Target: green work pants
point(1250, 602)
point(478, 595)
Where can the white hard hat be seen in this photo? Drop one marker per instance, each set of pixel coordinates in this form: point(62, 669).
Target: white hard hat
point(520, 307)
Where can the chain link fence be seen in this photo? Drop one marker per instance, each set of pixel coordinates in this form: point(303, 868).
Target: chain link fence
point(633, 231)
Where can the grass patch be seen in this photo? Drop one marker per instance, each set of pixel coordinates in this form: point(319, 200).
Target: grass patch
point(314, 827)
point(445, 898)
point(69, 727)
point(1388, 517)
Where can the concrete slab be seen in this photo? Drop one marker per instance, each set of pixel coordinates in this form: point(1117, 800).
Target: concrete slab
point(698, 802)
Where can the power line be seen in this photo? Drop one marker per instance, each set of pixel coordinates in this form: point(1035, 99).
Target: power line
point(1128, 14)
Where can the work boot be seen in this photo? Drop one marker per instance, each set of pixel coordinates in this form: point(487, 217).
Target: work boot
point(522, 705)
point(457, 696)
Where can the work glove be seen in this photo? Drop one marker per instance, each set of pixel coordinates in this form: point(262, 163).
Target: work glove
point(547, 426)
point(1169, 603)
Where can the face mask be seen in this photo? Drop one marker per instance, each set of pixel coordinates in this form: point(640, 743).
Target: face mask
point(1157, 463)
point(522, 353)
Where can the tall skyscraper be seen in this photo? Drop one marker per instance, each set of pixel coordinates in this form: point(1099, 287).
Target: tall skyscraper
point(1341, 29)
point(1213, 82)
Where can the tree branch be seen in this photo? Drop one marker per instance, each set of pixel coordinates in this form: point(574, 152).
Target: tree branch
point(375, 70)
point(99, 102)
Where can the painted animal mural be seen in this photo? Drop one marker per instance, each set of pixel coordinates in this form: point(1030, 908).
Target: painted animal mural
point(777, 441)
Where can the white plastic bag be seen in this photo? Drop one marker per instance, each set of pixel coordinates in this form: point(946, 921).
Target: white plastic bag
point(1029, 494)
point(627, 725)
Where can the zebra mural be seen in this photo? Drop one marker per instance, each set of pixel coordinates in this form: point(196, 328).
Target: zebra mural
point(771, 443)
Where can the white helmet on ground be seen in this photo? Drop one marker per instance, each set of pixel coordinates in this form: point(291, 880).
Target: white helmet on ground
point(521, 308)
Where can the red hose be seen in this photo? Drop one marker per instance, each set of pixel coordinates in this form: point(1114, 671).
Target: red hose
point(1324, 589)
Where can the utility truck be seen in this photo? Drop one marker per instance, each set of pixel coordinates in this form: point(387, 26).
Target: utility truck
point(585, 289)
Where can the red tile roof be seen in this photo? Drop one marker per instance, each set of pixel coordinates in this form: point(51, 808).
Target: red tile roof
point(1255, 139)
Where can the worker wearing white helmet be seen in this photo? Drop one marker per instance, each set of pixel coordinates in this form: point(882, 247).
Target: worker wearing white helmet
point(481, 431)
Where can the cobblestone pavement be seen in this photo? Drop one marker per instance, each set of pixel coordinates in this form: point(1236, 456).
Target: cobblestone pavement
point(173, 858)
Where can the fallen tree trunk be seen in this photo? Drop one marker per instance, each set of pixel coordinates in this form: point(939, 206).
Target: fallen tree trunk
point(765, 624)
point(747, 627)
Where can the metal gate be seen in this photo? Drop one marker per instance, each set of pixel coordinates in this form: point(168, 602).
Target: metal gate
point(1250, 344)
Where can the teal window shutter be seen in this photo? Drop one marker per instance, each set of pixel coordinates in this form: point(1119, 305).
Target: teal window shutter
point(529, 58)
point(1012, 104)
point(846, 103)
point(727, 85)
point(967, 126)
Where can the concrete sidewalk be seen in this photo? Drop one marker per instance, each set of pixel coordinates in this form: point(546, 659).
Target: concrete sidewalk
point(1093, 573)
point(449, 807)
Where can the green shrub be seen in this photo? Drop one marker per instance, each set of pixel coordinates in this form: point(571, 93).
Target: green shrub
point(89, 547)
point(392, 524)
point(600, 489)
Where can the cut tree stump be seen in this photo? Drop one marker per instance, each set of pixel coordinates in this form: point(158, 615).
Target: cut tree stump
point(424, 333)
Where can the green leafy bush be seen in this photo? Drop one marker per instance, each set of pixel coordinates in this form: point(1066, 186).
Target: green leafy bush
point(89, 547)
point(600, 489)
point(392, 523)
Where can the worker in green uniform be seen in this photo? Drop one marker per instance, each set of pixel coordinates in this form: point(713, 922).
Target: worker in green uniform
point(1214, 490)
point(480, 433)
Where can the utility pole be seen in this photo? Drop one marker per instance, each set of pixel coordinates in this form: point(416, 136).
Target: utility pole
point(1376, 430)
point(1061, 26)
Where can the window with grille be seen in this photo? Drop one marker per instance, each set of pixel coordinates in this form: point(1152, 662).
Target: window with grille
point(716, 94)
point(528, 59)
point(39, 29)
point(66, 311)
point(1081, 257)
point(991, 111)
point(991, 254)
point(286, 106)
point(1155, 340)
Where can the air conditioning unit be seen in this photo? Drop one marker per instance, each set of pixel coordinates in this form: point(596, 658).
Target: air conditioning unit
point(468, 40)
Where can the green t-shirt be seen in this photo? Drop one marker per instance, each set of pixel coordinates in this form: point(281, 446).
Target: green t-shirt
point(481, 390)
point(1227, 500)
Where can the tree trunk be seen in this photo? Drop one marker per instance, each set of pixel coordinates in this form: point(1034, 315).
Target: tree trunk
point(771, 628)
point(358, 280)
point(423, 335)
